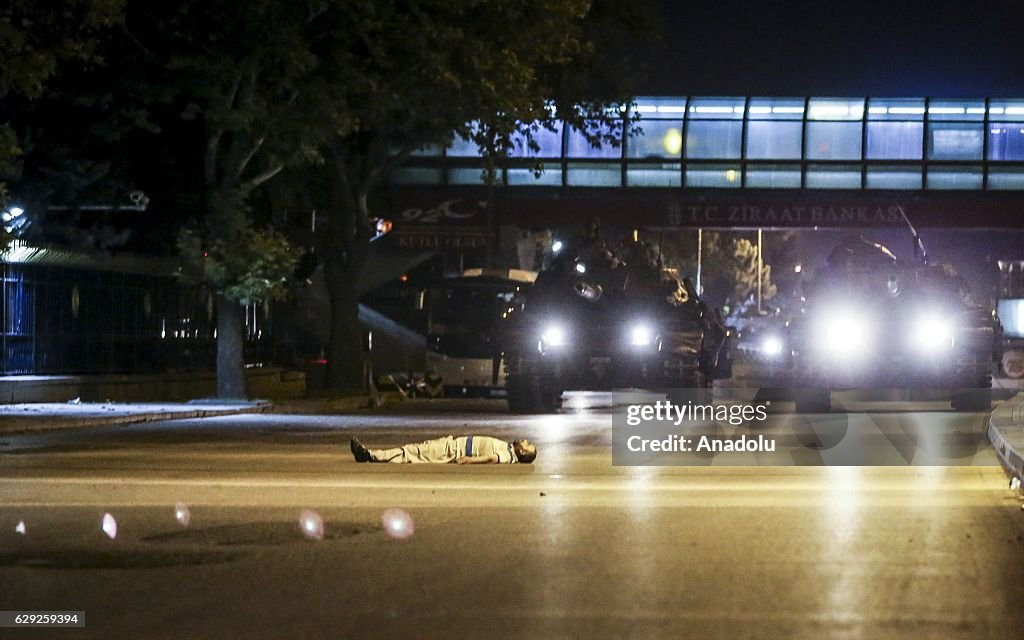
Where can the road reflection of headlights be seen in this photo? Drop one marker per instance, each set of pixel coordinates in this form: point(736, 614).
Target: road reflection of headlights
point(932, 333)
point(771, 346)
point(554, 336)
point(845, 334)
point(641, 336)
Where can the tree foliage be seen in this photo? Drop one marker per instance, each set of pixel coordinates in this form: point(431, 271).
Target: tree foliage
point(351, 88)
point(35, 40)
point(729, 272)
point(413, 74)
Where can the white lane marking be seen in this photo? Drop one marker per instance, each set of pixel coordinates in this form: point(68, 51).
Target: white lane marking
point(912, 482)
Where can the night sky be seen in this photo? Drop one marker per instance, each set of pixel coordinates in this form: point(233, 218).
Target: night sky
point(848, 48)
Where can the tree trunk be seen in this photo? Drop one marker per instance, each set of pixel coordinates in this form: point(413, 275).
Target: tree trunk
point(346, 245)
point(345, 354)
point(230, 345)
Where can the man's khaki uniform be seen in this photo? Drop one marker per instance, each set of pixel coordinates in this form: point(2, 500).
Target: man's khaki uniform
point(447, 449)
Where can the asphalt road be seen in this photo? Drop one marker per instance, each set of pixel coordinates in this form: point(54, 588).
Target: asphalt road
point(570, 547)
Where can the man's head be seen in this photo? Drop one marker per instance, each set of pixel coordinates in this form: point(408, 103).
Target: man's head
point(526, 451)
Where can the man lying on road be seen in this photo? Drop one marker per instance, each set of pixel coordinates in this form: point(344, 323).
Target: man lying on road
point(461, 450)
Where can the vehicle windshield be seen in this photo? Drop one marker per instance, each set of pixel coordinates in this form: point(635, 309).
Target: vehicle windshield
point(467, 309)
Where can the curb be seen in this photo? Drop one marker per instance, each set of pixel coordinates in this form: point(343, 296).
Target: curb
point(1006, 432)
point(50, 422)
point(330, 405)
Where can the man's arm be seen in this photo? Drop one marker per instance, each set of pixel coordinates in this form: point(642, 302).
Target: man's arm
point(491, 459)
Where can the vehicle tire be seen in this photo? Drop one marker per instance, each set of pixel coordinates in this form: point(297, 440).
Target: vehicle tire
point(526, 389)
point(812, 400)
point(1013, 363)
point(972, 400)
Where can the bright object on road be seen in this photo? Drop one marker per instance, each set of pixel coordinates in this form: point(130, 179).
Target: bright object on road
point(182, 514)
point(109, 526)
point(311, 524)
point(398, 524)
point(20, 528)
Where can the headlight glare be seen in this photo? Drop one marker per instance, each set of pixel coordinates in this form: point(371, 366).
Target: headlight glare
point(641, 335)
point(845, 334)
point(932, 333)
point(772, 346)
point(554, 336)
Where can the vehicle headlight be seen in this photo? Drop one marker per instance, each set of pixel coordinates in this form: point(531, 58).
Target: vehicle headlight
point(932, 332)
point(845, 334)
point(554, 336)
point(641, 335)
point(771, 346)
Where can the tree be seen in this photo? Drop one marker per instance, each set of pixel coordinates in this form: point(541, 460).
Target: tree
point(245, 90)
point(418, 73)
point(36, 39)
point(245, 77)
point(728, 266)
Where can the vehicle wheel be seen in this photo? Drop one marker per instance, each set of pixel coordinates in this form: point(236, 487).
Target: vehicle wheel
point(1013, 363)
point(972, 400)
point(812, 400)
point(526, 390)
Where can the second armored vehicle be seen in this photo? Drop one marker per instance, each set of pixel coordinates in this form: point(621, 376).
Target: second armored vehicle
point(873, 321)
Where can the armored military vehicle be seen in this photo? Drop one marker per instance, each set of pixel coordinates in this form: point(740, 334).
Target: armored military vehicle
point(599, 321)
point(874, 321)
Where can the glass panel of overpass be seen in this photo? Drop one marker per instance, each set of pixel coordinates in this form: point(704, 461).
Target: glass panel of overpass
point(654, 151)
point(894, 140)
point(591, 173)
point(547, 141)
point(774, 129)
point(955, 140)
point(714, 139)
point(1006, 141)
point(524, 162)
point(526, 175)
point(833, 176)
point(954, 177)
point(1008, 178)
point(773, 176)
point(729, 142)
point(666, 174)
point(893, 177)
point(714, 176)
point(656, 139)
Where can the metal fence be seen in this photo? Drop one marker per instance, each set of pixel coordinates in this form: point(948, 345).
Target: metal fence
point(66, 320)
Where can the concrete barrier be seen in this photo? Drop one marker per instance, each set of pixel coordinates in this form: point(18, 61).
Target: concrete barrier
point(1006, 431)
